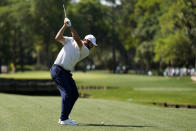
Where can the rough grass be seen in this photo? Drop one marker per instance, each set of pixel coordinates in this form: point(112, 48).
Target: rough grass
point(34, 113)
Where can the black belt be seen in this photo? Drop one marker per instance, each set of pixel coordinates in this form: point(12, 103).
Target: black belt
point(67, 71)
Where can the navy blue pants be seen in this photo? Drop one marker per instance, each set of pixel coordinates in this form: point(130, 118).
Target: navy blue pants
point(67, 87)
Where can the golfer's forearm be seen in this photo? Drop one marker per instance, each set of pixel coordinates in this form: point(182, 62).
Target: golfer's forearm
point(59, 35)
point(76, 37)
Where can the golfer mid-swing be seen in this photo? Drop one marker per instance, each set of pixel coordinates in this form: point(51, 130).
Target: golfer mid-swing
point(74, 50)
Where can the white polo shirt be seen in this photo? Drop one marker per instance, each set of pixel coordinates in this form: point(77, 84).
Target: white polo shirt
point(70, 54)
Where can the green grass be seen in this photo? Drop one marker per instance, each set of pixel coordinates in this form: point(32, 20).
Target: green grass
point(36, 113)
point(27, 75)
point(140, 88)
point(125, 87)
point(21, 113)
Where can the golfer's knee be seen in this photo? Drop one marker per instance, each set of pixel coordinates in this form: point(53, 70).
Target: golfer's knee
point(64, 98)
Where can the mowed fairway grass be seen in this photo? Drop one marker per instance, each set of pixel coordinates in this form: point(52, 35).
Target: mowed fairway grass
point(40, 113)
point(122, 107)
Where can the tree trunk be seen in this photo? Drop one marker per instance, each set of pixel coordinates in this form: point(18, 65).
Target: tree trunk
point(14, 49)
point(46, 52)
point(195, 62)
point(38, 61)
point(21, 50)
point(0, 66)
point(113, 42)
point(114, 57)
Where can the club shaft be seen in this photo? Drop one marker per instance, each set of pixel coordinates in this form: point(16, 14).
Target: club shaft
point(64, 11)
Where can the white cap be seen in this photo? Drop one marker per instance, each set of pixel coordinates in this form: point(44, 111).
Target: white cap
point(91, 38)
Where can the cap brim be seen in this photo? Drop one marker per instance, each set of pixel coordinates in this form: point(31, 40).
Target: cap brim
point(95, 44)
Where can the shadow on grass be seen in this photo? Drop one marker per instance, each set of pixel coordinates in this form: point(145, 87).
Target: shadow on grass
point(113, 125)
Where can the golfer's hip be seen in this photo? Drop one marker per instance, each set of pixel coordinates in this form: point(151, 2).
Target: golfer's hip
point(58, 71)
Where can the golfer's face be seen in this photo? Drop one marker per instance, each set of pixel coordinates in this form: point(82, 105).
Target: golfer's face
point(88, 44)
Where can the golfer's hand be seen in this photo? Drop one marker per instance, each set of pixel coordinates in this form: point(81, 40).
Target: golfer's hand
point(67, 22)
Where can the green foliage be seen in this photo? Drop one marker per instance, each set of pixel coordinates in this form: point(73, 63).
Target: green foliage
point(146, 30)
point(47, 18)
point(15, 30)
point(173, 49)
point(89, 16)
point(147, 7)
point(170, 22)
point(126, 24)
point(144, 54)
point(5, 53)
point(130, 33)
point(176, 47)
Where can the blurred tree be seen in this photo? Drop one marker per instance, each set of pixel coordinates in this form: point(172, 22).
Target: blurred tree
point(190, 13)
point(125, 27)
point(15, 33)
point(136, 32)
point(21, 31)
point(146, 30)
point(4, 2)
point(174, 50)
point(178, 41)
point(5, 52)
point(144, 55)
point(47, 20)
point(91, 17)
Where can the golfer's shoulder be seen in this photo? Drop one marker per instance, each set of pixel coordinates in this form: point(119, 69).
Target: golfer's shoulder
point(68, 39)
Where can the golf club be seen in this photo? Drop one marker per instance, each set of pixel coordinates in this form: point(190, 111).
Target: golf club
point(64, 11)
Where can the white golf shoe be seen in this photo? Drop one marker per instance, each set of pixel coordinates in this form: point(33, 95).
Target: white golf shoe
point(68, 122)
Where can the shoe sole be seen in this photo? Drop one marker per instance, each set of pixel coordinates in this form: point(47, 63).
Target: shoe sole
point(67, 124)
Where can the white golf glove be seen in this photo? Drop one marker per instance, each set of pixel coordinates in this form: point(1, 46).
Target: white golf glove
point(68, 22)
